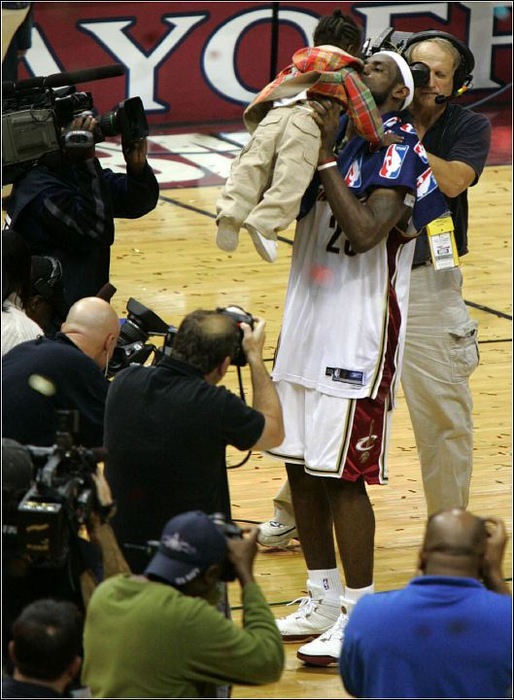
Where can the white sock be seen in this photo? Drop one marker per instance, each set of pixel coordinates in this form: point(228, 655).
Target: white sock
point(328, 580)
point(355, 594)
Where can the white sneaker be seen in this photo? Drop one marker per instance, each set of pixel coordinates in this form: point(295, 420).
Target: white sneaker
point(314, 616)
point(326, 649)
point(227, 235)
point(276, 533)
point(266, 248)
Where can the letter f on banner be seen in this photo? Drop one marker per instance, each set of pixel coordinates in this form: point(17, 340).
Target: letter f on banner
point(141, 67)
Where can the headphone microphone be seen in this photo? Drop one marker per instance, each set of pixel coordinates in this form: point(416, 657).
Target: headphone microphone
point(442, 98)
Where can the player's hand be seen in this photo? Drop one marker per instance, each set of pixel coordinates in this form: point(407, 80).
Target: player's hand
point(326, 114)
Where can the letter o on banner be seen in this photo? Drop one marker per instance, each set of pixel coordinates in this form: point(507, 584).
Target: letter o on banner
point(218, 58)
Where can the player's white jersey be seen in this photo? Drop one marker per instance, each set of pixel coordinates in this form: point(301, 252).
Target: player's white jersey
point(339, 307)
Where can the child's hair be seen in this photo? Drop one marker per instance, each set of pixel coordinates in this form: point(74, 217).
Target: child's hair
point(339, 30)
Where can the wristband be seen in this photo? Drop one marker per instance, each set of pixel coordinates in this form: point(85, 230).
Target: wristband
point(329, 164)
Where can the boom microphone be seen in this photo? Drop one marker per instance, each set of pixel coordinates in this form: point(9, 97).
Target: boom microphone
point(61, 79)
point(442, 98)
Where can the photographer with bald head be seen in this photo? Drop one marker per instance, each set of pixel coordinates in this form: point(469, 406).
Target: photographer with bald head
point(41, 376)
point(448, 633)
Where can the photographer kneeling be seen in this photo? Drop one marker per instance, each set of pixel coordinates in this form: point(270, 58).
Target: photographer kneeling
point(167, 427)
point(157, 635)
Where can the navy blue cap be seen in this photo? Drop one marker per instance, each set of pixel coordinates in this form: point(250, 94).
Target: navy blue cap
point(190, 542)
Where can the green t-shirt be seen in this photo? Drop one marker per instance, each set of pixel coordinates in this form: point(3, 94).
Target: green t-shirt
point(146, 639)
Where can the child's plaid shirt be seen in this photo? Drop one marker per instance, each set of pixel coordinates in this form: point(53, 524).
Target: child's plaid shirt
point(324, 71)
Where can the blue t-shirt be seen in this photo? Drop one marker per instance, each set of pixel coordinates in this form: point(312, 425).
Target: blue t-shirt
point(439, 637)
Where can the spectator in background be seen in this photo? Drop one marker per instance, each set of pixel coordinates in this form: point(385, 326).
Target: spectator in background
point(45, 650)
point(17, 23)
point(448, 633)
point(159, 635)
point(43, 375)
point(17, 327)
point(65, 207)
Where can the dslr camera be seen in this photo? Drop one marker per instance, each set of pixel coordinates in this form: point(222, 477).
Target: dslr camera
point(61, 499)
point(141, 323)
point(35, 113)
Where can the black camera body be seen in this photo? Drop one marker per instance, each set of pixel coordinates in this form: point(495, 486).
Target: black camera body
point(62, 498)
point(240, 316)
point(35, 115)
point(141, 323)
point(231, 532)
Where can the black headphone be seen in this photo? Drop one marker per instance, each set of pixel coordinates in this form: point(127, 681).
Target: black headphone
point(463, 73)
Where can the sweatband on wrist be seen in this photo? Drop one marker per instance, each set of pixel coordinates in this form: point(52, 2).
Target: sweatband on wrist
point(330, 164)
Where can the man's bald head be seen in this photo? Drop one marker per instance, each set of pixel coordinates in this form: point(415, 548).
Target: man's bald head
point(455, 540)
point(92, 324)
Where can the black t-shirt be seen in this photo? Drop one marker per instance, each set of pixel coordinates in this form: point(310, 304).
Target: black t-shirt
point(29, 416)
point(463, 135)
point(166, 431)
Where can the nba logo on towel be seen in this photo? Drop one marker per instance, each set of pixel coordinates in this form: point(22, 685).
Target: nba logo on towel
point(394, 157)
point(425, 184)
point(408, 128)
point(353, 176)
point(420, 150)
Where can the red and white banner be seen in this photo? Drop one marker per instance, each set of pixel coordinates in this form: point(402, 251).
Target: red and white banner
point(201, 63)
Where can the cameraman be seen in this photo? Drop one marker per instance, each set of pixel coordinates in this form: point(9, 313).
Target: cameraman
point(167, 427)
point(159, 635)
point(73, 579)
point(66, 205)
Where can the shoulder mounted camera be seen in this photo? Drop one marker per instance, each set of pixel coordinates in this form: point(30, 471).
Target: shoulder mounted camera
point(36, 112)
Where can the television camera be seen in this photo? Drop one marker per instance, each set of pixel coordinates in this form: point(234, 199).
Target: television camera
point(36, 112)
point(62, 497)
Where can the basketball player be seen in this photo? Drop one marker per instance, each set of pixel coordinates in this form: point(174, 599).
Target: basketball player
point(339, 355)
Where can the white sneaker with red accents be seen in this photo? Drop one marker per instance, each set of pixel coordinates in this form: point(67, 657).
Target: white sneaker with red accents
point(315, 615)
point(326, 649)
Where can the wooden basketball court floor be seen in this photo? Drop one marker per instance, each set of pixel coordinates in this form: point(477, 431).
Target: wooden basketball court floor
point(169, 262)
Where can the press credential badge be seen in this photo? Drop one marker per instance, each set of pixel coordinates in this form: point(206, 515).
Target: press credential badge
point(442, 243)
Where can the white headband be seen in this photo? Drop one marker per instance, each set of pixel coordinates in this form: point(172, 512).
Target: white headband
point(404, 70)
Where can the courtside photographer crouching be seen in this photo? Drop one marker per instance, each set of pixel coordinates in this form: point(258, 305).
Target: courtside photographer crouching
point(167, 426)
point(160, 635)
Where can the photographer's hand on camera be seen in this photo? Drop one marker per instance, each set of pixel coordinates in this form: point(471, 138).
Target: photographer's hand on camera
point(101, 534)
point(241, 553)
point(265, 397)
